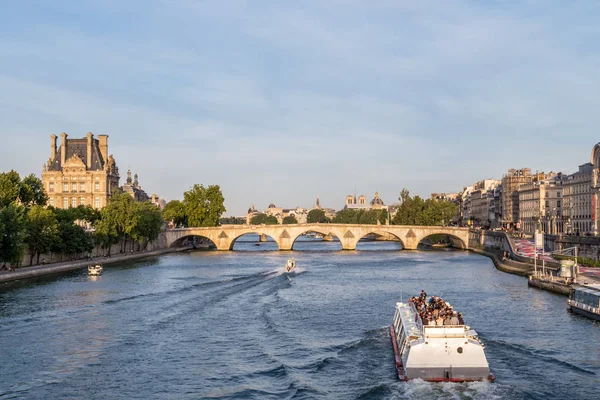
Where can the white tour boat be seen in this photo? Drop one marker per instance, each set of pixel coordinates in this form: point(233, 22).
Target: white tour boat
point(447, 353)
point(585, 300)
point(290, 265)
point(95, 269)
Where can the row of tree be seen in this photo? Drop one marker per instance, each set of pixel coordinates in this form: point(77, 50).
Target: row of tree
point(26, 222)
point(411, 211)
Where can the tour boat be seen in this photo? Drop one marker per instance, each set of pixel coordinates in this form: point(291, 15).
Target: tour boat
point(95, 269)
point(447, 353)
point(585, 300)
point(290, 265)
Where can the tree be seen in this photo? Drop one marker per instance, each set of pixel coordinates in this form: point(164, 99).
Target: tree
point(290, 219)
point(271, 220)
point(316, 216)
point(416, 211)
point(174, 211)
point(12, 233)
point(10, 187)
point(148, 223)
point(31, 191)
point(117, 221)
point(204, 206)
point(73, 240)
point(42, 231)
point(258, 219)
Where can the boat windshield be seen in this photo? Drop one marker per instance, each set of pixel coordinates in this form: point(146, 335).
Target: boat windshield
point(411, 321)
point(587, 296)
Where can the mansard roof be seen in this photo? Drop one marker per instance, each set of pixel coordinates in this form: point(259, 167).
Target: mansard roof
point(78, 147)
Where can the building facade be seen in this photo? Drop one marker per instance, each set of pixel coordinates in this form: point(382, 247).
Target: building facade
point(80, 172)
point(133, 188)
point(541, 205)
point(511, 183)
point(578, 200)
point(353, 203)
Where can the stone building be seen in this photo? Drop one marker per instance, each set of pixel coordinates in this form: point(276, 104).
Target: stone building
point(541, 204)
point(134, 189)
point(511, 182)
point(578, 199)
point(361, 204)
point(157, 201)
point(80, 172)
point(482, 202)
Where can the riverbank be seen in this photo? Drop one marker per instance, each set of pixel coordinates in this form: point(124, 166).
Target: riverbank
point(43, 270)
point(509, 266)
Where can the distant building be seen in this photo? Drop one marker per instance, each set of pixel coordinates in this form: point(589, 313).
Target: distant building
point(280, 213)
point(511, 183)
point(157, 201)
point(541, 204)
point(353, 203)
point(329, 212)
point(134, 189)
point(80, 172)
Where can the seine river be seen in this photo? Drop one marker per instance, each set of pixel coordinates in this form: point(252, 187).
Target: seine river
point(234, 326)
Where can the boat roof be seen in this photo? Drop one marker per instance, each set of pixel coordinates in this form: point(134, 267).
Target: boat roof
point(593, 288)
point(408, 320)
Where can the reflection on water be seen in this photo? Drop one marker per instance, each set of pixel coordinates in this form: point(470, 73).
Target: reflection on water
point(234, 325)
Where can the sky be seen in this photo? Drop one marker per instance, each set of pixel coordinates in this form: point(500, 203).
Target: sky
point(280, 101)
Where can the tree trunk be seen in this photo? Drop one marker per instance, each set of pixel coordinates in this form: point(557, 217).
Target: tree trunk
point(31, 258)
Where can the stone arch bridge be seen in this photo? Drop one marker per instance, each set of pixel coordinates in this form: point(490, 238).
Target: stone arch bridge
point(225, 236)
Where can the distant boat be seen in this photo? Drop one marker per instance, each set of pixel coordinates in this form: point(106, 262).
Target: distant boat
point(290, 265)
point(257, 244)
point(95, 270)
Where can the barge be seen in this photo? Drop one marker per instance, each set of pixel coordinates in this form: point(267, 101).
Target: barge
point(436, 353)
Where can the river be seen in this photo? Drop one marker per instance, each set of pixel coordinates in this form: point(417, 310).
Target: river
point(232, 325)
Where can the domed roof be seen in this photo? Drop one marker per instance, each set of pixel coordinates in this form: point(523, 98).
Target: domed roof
point(272, 205)
point(377, 200)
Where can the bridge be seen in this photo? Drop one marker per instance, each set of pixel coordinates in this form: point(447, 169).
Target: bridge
point(224, 236)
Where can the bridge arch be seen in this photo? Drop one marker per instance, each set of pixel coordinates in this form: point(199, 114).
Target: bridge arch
point(381, 232)
point(320, 230)
point(456, 241)
point(266, 245)
point(194, 241)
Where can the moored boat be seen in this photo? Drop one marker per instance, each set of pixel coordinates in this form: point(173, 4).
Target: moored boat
point(290, 264)
point(447, 352)
point(95, 269)
point(585, 300)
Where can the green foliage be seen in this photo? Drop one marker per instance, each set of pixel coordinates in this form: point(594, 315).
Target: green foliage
point(232, 221)
point(271, 220)
point(316, 216)
point(73, 239)
point(588, 262)
point(416, 211)
point(174, 211)
point(42, 231)
point(261, 218)
point(352, 216)
point(258, 219)
point(13, 225)
point(10, 187)
point(148, 223)
point(204, 206)
point(31, 191)
point(290, 219)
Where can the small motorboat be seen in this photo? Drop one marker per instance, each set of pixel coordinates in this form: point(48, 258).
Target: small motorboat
point(95, 270)
point(257, 244)
point(290, 265)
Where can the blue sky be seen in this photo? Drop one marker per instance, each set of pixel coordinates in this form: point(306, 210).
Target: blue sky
point(283, 101)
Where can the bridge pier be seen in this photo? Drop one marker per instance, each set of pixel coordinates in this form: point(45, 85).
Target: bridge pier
point(263, 237)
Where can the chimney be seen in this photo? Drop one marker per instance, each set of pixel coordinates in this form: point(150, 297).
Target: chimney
point(63, 148)
point(90, 138)
point(52, 146)
point(103, 144)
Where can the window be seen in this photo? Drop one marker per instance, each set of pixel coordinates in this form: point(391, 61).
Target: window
point(51, 187)
point(557, 203)
point(73, 201)
point(82, 201)
point(74, 187)
point(97, 202)
point(66, 202)
point(52, 201)
point(82, 187)
point(557, 194)
point(97, 186)
point(547, 203)
point(65, 187)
